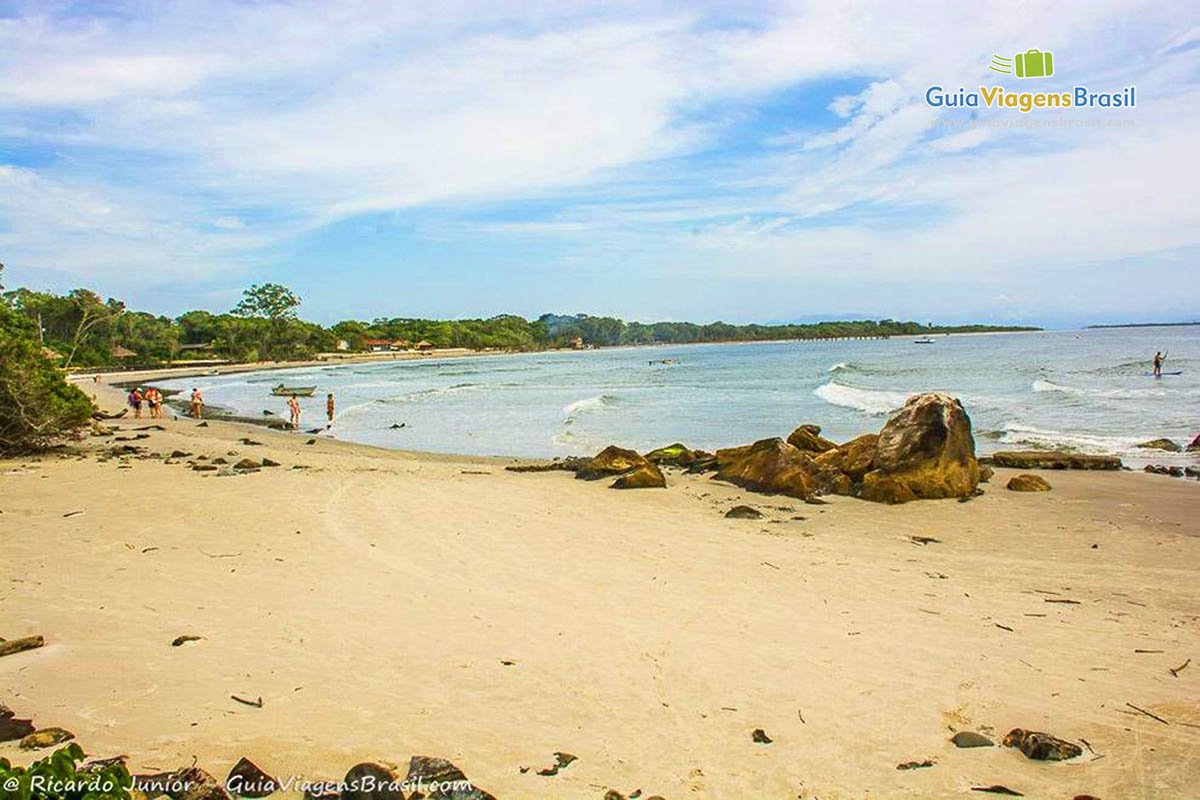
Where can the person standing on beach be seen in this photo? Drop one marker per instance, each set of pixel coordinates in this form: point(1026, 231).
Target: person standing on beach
point(1159, 358)
point(294, 408)
point(135, 402)
point(151, 402)
point(197, 403)
point(329, 409)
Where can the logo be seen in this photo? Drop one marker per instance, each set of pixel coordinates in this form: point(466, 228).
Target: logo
point(1030, 64)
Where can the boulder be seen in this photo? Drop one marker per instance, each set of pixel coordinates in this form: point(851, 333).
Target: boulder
point(1194, 445)
point(1041, 746)
point(985, 473)
point(927, 449)
point(247, 463)
point(1028, 483)
point(1051, 459)
point(971, 739)
point(247, 780)
point(855, 456)
point(612, 460)
point(1160, 444)
point(807, 438)
point(369, 781)
point(438, 779)
point(673, 455)
point(644, 477)
point(768, 465)
point(198, 785)
point(46, 737)
point(703, 462)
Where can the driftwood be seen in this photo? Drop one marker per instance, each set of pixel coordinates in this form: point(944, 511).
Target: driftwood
point(1176, 670)
point(20, 645)
point(255, 703)
point(1147, 713)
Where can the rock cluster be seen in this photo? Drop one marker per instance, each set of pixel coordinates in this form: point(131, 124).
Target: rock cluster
point(1050, 459)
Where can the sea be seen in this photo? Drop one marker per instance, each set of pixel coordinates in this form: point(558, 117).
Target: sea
point(1089, 391)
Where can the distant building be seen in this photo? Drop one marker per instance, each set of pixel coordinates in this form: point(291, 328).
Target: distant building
point(424, 345)
point(378, 345)
point(195, 348)
point(122, 352)
point(342, 344)
point(577, 343)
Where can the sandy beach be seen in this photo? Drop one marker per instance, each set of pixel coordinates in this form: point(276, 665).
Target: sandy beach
point(387, 604)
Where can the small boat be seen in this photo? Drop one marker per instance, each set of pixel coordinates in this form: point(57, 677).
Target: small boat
point(288, 391)
point(926, 340)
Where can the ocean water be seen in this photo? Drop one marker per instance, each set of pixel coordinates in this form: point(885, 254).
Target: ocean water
point(1086, 390)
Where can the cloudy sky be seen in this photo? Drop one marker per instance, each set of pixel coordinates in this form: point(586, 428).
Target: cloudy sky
point(736, 161)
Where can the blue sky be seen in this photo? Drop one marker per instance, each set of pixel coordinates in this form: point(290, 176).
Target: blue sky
point(736, 161)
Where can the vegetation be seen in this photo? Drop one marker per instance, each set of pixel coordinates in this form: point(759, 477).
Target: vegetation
point(88, 331)
point(36, 404)
point(57, 777)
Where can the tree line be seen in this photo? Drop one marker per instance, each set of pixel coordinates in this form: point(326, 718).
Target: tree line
point(80, 329)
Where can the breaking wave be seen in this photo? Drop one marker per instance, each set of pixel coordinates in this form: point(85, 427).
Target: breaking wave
point(869, 401)
point(574, 410)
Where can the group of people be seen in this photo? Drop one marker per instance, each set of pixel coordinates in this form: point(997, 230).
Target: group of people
point(294, 411)
point(151, 397)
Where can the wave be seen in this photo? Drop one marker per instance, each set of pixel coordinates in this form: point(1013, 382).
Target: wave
point(870, 401)
point(1042, 438)
point(573, 410)
point(1042, 385)
point(424, 394)
point(842, 366)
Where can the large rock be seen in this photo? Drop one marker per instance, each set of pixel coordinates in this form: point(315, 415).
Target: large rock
point(768, 465)
point(367, 781)
point(1051, 459)
point(247, 779)
point(852, 458)
point(1194, 445)
point(926, 449)
point(673, 455)
point(1028, 483)
point(648, 476)
point(610, 461)
point(13, 728)
point(1160, 444)
point(807, 438)
point(438, 779)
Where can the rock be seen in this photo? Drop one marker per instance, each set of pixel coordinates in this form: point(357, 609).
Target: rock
point(1041, 746)
point(1175, 471)
point(568, 464)
point(886, 490)
point(199, 785)
point(219, 460)
point(266, 462)
point(1193, 445)
point(178, 454)
point(438, 779)
point(855, 456)
point(561, 761)
point(46, 737)
point(673, 455)
point(807, 438)
point(204, 468)
point(986, 473)
point(612, 460)
point(180, 641)
point(760, 736)
point(247, 463)
point(1051, 459)
point(971, 739)
point(1192, 472)
point(1028, 483)
point(743, 512)
point(645, 477)
point(5, 712)
point(927, 449)
point(12, 729)
point(915, 764)
point(768, 465)
point(613, 794)
point(1160, 444)
point(369, 781)
point(704, 462)
point(247, 780)
point(1156, 469)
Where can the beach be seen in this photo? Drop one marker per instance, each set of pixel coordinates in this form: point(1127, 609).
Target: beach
point(385, 604)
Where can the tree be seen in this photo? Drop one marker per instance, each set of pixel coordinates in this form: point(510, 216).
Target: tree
point(37, 405)
point(271, 301)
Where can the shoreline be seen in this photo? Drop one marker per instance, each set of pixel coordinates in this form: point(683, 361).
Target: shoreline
point(387, 604)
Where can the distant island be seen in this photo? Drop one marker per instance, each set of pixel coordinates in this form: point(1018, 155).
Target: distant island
point(1146, 325)
point(80, 329)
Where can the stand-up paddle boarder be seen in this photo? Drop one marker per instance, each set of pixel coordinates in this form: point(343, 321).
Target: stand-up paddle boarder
point(1159, 358)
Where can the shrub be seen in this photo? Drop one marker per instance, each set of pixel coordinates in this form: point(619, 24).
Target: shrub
point(37, 405)
point(57, 777)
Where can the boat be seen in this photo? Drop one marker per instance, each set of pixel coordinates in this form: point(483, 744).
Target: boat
point(288, 391)
point(926, 340)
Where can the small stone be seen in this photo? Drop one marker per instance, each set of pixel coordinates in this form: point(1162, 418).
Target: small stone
point(915, 765)
point(46, 737)
point(1041, 746)
point(743, 512)
point(178, 454)
point(247, 463)
point(369, 781)
point(971, 739)
point(1028, 483)
point(266, 462)
point(760, 736)
point(204, 468)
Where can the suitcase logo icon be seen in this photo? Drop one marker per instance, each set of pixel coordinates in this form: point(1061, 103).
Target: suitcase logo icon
point(1030, 64)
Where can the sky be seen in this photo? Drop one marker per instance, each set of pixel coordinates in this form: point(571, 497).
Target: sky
point(749, 162)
